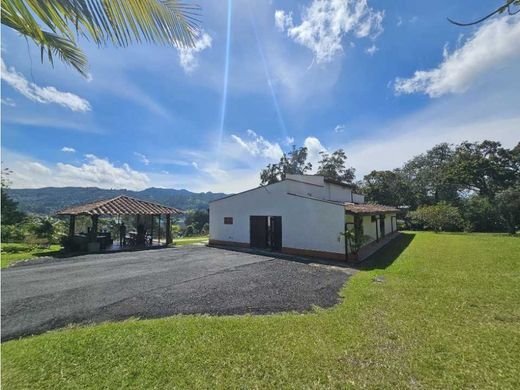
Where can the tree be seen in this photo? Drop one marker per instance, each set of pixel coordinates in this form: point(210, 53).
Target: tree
point(481, 215)
point(431, 177)
point(501, 9)
point(294, 162)
point(332, 167)
point(54, 24)
point(485, 167)
point(508, 204)
point(197, 218)
point(10, 213)
point(439, 217)
point(389, 188)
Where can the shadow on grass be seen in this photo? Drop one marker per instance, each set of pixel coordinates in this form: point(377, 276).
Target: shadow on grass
point(385, 256)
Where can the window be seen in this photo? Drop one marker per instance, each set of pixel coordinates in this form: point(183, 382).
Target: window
point(228, 220)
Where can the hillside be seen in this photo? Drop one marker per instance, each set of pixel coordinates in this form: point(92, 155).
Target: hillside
point(50, 199)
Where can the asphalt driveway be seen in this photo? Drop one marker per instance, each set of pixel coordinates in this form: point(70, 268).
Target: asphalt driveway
point(51, 294)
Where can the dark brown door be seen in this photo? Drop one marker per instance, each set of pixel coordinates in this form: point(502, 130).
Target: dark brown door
point(258, 232)
point(382, 225)
point(275, 227)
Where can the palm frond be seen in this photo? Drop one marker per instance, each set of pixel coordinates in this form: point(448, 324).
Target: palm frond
point(119, 22)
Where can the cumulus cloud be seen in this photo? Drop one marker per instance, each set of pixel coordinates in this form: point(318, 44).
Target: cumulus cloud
point(256, 145)
point(101, 173)
point(42, 94)
point(490, 46)
point(187, 57)
point(68, 149)
point(38, 168)
point(142, 158)
point(314, 147)
point(325, 22)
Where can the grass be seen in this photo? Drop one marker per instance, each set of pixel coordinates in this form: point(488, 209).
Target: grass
point(190, 240)
point(447, 315)
point(13, 252)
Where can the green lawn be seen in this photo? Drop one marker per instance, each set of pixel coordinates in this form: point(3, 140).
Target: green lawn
point(190, 240)
point(446, 316)
point(13, 252)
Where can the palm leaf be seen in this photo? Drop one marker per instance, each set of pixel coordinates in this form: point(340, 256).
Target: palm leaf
point(119, 22)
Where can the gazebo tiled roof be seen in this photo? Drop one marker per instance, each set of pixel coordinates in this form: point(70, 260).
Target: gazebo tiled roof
point(368, 209)
point(120, 205)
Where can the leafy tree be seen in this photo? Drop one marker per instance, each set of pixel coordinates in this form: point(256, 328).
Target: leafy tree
point(205, 229)
point(485, 167)
point(430, 176)
point(197, 218)
point(332, 166)
point(294, 162)
point(54, 24)
point(10, 213)
point(190, 230)
point(439, 217)
point(389, 188)
point(508, 204)
point(481, 215)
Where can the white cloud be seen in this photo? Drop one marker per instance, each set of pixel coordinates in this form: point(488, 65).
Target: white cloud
point(257, 145)
point(289, 141)
point(8, 102)
point(314, 147)
point(42, 94)
point(68, 149)
point(142, 158)
point(101, 173)
point(325, 22)
point(371, 50)
point(340, 128)
point(187, 57)
point(93, 172)
point(38, 168)
point(488, 48)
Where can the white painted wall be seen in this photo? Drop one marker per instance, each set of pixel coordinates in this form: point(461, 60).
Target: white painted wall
point(358, 198)
point(388, 224)
point(369, 227)
point(306, 223)
point(339, 193)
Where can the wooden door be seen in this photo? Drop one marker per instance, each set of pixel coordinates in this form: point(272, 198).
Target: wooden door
point(275, 225)
point(258, 231)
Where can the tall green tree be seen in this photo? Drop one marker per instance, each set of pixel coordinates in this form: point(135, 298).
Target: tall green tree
point(54, 25)
point(10, 213)
point(431, 176)
point(293, 162)
point(388, 188)
point(508, 204)
point(485, 167)
point(332, 166)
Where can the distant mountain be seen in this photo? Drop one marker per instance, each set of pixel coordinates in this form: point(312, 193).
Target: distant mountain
point(48, 200)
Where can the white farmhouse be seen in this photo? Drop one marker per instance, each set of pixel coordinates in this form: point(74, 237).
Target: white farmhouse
point(304, 215)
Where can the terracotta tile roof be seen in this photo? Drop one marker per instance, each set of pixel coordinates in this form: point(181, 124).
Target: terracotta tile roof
point(368, 208)
point(122, 205)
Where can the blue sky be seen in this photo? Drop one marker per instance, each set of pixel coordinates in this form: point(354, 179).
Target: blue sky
point(383, 80)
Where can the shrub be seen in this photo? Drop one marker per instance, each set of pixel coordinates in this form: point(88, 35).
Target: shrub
point(481, 215)
point(508, 205)
point(439, 217)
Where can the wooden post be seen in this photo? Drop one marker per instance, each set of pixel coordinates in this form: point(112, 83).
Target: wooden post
point(72, 226)
point(93, 231)
point(168, 229)
point(151, 227)
point(159, 232)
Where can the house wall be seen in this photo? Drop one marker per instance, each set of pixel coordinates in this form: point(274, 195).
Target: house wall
point(307, 224)
point(339, 193)
point(369, 228)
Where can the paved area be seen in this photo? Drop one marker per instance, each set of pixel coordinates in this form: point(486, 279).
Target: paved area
point(45, 295)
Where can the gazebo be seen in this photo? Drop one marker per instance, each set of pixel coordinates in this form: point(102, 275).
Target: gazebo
point(119, 206)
